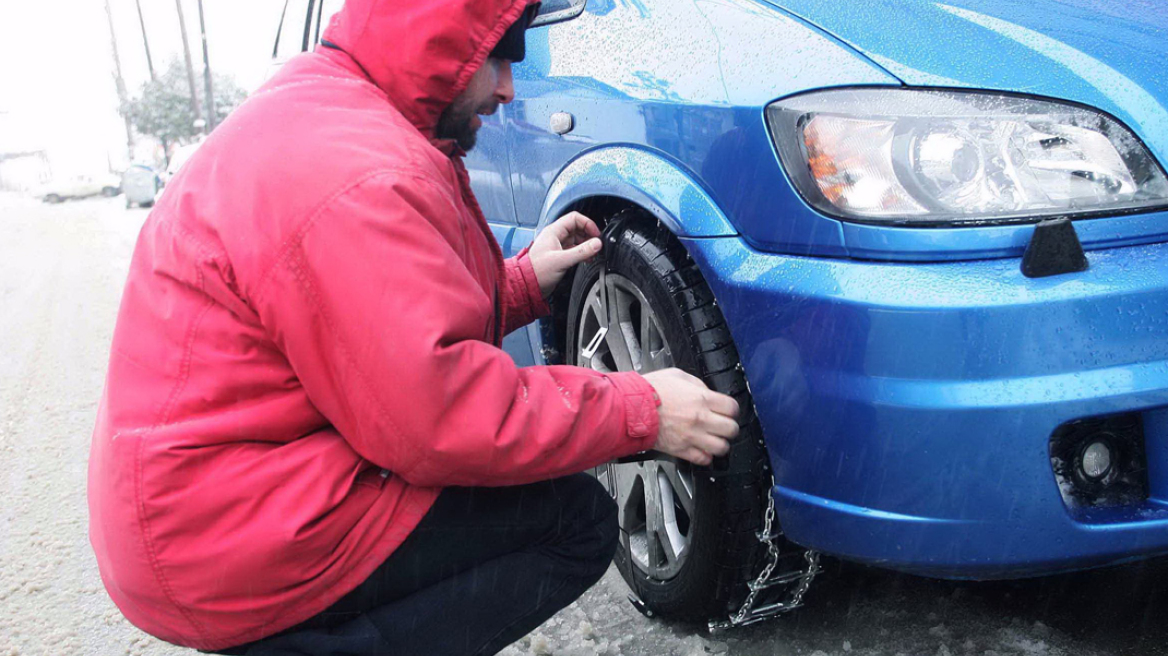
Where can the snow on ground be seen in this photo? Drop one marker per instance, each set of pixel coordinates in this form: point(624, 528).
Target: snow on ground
point(61, 272)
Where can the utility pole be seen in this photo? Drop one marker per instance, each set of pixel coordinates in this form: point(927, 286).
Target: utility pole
point(209, 98)
point(145, 41)
point(120, 82)
point(182, 26)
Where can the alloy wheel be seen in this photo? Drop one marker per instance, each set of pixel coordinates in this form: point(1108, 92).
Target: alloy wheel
point(655, 498)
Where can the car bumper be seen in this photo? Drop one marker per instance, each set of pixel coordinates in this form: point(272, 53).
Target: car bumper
point(909, 408)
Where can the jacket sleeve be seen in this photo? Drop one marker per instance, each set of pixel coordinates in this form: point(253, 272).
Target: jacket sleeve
point(522, 300)
point(384, 326)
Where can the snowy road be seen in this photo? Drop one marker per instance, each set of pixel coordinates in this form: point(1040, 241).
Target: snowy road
point(61, 272)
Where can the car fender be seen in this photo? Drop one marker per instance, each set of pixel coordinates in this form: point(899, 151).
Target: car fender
point(641, 177)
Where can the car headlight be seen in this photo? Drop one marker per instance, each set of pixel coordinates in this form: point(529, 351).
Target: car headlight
point(911, 156)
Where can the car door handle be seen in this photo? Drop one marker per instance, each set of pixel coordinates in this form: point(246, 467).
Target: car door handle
point(562, 122)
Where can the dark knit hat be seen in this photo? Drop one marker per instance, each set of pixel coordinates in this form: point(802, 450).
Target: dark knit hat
point(511, 46)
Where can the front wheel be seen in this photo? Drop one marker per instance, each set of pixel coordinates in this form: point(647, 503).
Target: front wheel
point(688, 539)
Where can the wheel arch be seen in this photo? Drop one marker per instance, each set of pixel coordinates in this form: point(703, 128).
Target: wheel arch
point(604, 181)
point(636, 177)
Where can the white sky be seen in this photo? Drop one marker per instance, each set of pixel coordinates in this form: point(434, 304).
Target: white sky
point(56, 67)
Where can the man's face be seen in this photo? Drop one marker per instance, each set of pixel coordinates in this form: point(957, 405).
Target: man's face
point(490, 86)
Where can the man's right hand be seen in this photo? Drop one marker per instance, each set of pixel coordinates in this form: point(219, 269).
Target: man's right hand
point(695, 423)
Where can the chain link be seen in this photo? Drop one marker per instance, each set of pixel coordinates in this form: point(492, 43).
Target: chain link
point(746, 613)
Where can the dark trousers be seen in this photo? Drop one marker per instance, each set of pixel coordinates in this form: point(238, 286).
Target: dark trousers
point(483, 568)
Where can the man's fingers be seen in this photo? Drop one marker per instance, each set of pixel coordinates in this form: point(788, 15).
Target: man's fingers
point(713, 445)
point(574, 225)
point(722, 426)
point(570, 257)
point(584, 251)
point(585, 224)
point(696, 456)
point(722, 404)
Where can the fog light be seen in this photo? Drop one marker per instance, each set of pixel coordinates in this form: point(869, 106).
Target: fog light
point(1096, 461)
point(1101, 461)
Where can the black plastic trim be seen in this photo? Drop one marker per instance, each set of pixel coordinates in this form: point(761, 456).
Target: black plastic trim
point(1054, 249)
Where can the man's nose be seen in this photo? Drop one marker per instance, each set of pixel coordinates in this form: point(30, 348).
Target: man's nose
point(505, 90)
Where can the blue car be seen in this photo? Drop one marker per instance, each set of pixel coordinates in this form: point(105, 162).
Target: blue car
point(922, 243)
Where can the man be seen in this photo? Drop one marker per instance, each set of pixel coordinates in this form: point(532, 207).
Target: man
point(310, 441)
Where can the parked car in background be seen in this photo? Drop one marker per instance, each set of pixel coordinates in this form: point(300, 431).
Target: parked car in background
point(81, 186)
point(833, 213)
point(141, 184)
point(179, 157)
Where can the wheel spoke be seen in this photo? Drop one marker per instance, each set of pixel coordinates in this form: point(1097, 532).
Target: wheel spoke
point(658, 540)
point(654, 351)
point(681, 484)
point(618, 337)
point(670, 539)
point(648, 335)
point(593, 316)
point(624, 478)
point(660, 360)
point(594, 309)
point(605, 475)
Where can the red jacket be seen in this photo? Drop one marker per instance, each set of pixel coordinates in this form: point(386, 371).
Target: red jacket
point(307, 346)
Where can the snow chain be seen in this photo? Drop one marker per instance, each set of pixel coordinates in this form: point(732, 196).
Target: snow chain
point(796, 581)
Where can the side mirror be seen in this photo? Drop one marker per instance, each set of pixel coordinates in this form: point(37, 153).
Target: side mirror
point(557, 11)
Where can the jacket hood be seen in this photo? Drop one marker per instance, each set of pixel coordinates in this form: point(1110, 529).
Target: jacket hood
point(422, 53)
point(1105, 54)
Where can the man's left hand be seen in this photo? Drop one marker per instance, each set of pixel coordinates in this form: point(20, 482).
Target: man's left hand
point(570, 240)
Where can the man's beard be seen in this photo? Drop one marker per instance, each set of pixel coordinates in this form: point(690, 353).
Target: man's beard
point(455, 123)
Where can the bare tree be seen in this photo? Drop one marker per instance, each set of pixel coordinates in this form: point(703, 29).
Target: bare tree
point(182, 26)
point(145, 40)
point(162, 107)
point(153, 77)
point(210, 96)
point(118, 80)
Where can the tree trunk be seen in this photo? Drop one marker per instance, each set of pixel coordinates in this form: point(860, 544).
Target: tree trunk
point(182, 26)
point(145, 41)
point(153, 76)
point(120, 82)
point(209, 98)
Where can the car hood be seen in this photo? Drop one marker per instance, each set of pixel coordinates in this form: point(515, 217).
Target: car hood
point(1109, 54)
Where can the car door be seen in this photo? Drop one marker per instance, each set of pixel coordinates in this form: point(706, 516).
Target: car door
point(488, 166)
point(530, 146)
point(537, 152)
point(490, 177)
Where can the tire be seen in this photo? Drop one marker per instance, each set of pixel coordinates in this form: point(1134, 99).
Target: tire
point(53, 198)
point(110, 192)
point(720, 548)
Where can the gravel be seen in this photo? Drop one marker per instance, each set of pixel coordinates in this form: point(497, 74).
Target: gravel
point(61, 272)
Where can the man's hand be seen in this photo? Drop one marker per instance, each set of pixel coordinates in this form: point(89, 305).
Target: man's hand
point(696, 423)
point(571, 239)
